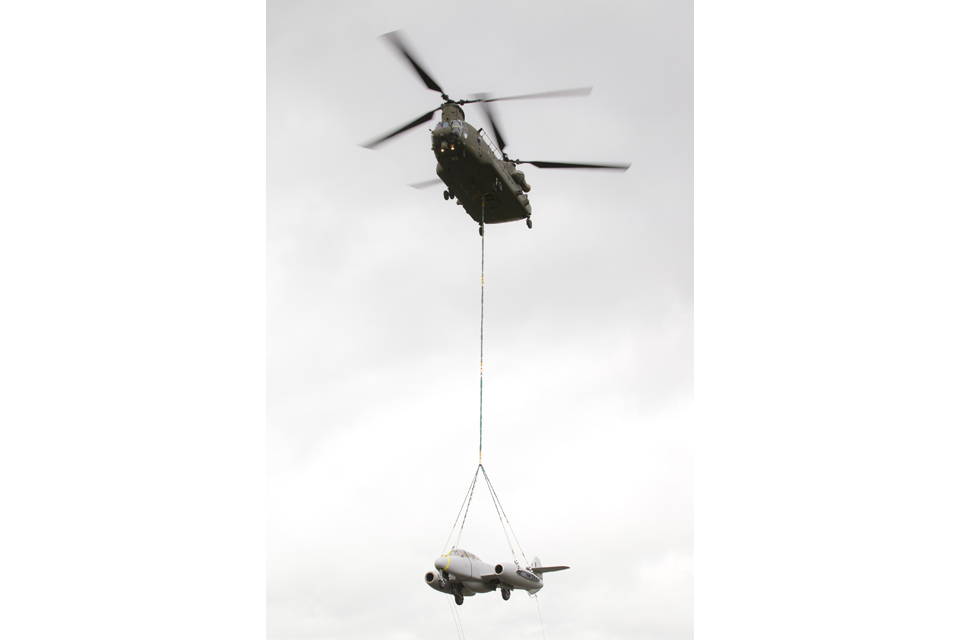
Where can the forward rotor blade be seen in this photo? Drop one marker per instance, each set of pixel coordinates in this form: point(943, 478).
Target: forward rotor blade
point(563, 93)
point(488, 111)
point(572, 165)
point(424, 118)
point(425, 183)
point(394, 38)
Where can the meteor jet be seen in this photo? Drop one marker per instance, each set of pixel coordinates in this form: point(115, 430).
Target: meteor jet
point(462, 574)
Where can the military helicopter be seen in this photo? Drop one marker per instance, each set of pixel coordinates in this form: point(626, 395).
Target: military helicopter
point(479, 175)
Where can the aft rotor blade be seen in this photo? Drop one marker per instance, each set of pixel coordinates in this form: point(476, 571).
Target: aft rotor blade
point(564, 93)
point(394, 38)
point(425, 183)
point(573, 165)
point(410, 125)
point(488, 111)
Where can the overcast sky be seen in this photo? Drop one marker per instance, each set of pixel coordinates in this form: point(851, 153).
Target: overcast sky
point(373, 322)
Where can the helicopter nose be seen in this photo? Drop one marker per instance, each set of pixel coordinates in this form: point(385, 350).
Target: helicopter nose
point(442, 563)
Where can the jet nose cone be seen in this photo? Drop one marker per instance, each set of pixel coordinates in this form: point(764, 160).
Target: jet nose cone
point(441, 563)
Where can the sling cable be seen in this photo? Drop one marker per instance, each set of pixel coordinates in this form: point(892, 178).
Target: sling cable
point(504, 521)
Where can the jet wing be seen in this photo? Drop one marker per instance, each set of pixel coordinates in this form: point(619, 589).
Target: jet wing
point(489, 577)
point(547, 569)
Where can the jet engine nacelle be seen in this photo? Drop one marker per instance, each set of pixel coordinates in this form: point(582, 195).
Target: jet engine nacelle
point(436, 581)
point(519, 578)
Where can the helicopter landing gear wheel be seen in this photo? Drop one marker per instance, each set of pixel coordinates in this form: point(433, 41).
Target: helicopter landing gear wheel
point(458, 598)
point(505, 593)
point(446, 195)
point(481, 230)
point(529, 223)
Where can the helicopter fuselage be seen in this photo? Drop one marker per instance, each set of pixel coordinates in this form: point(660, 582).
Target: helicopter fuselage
point(476, 173)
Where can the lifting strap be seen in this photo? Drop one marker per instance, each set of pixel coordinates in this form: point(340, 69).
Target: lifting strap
point(542, 634)
point(501, 513)
point(467, 499)
point(503, 517)
point(456, 619)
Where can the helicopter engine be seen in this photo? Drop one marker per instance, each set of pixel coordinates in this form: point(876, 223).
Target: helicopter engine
point(519, 178)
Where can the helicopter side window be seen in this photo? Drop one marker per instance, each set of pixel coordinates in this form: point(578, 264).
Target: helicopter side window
point(446, 124)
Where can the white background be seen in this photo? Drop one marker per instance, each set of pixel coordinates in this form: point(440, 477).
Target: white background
point(134, 334)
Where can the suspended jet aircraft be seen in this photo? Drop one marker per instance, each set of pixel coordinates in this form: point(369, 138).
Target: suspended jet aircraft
point(462, 574)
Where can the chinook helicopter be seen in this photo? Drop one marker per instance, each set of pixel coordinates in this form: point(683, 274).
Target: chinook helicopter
point(479, 175)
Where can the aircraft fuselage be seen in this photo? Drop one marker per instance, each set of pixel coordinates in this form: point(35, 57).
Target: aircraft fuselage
point(461, 573)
